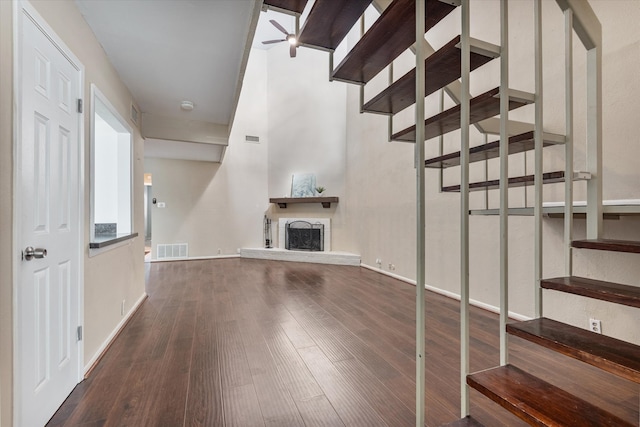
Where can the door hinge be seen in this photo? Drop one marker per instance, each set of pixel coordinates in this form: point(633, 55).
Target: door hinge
point(79, 333)
point(79, 105)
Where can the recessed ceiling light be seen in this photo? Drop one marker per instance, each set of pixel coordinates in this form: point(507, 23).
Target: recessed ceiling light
point(186, 105)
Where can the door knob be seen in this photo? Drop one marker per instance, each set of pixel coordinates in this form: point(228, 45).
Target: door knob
point(31, 252)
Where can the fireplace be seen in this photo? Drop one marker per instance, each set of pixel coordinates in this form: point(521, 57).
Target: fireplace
point(304, 236)
point(316, 222)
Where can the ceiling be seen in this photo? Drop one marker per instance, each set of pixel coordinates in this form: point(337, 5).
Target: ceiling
point(167, 51)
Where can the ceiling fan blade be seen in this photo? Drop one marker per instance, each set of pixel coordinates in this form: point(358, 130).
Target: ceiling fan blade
point(292, 51)
point(273, 41)
point(278, 26)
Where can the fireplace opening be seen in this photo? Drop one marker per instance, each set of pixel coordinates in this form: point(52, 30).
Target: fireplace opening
point(304, 236)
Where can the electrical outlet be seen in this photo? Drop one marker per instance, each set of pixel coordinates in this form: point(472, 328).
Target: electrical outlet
point(219, 251)
point(379, 262)
point(595, 326)
point(392, 267)
point(122, 308)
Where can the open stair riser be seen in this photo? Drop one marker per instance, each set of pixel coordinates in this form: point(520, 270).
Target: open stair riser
point(387, 38)
point(597, 289)
point(482, 107)
point(612, 355)
point(517, 144)
point(329, 21)
point(537, 402)
point(443, 67)
point(629, 246)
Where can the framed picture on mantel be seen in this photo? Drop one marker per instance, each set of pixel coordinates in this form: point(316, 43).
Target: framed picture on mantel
point(303, 185)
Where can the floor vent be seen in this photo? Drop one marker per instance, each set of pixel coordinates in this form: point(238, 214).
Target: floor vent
point(172, 251)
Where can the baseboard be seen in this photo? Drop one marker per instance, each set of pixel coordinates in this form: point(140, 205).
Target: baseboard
point(196, 258)
point(88, 367)
point(449, 294)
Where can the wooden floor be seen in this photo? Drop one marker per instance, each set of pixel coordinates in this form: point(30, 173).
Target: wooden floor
point(238, 342)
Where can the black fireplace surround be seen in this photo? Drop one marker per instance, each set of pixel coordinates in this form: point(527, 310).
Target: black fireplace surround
point(304, 236)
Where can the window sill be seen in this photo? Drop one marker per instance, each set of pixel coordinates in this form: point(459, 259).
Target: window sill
point(101, 241)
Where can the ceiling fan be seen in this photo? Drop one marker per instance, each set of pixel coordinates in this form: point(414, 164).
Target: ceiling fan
point(291, 38)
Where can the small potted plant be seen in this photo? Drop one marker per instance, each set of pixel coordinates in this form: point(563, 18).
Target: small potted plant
point(320, 190)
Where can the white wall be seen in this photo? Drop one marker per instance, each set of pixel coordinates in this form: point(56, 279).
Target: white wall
point(381, 182)
point(307, 134)
point(218, 208)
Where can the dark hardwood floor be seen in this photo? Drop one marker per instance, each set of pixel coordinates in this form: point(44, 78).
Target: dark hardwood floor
point(237, 342)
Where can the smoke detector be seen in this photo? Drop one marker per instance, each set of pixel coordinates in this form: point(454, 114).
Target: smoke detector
point(186, 105)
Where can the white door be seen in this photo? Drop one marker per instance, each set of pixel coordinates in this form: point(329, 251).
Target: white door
point(49, 221)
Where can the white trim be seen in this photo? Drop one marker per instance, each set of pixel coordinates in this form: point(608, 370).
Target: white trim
point(621, 202)
point(98, 354)
point(449, 294)
point(96, 92)
point(21, 7)
point(196, 258)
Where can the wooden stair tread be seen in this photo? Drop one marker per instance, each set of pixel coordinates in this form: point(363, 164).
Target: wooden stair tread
point(537, 402)
point(392, 33)
point(612, 355)
point(442, 67)
point(482, 107)
point(516, 181)
point(597, 289)
point(517, 144)
point(464, 422)
point(295, 6)
point(608, 245)
point(329, 21)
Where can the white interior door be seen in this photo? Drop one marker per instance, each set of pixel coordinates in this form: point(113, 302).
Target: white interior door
point(48, 353)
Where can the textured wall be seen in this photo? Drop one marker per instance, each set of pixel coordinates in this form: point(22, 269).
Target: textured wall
point(381, 212)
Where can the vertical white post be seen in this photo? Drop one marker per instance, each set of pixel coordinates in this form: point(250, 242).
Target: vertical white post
point(390, 119)
point(331, 66)
point(594, 141)
point(568, 148)
point(504, 179)
point(464, 211)
point(420, 215)
point(441, 141)
point(537, 208)
point(589, 31)
point(486, 175)
point(362, 85)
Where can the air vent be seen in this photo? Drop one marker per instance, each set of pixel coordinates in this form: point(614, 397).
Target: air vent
point(172, 251)
point(252, 139)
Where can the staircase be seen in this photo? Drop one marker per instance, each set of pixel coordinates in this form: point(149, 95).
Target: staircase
point(533, 400)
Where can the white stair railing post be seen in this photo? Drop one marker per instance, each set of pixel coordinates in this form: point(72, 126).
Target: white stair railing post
point(538, 164)
point(589, 31)
point(504, 179)
point(362, 25)
point(420, 217)
point(464, 210)
point(568, 184)
point(594, 142)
